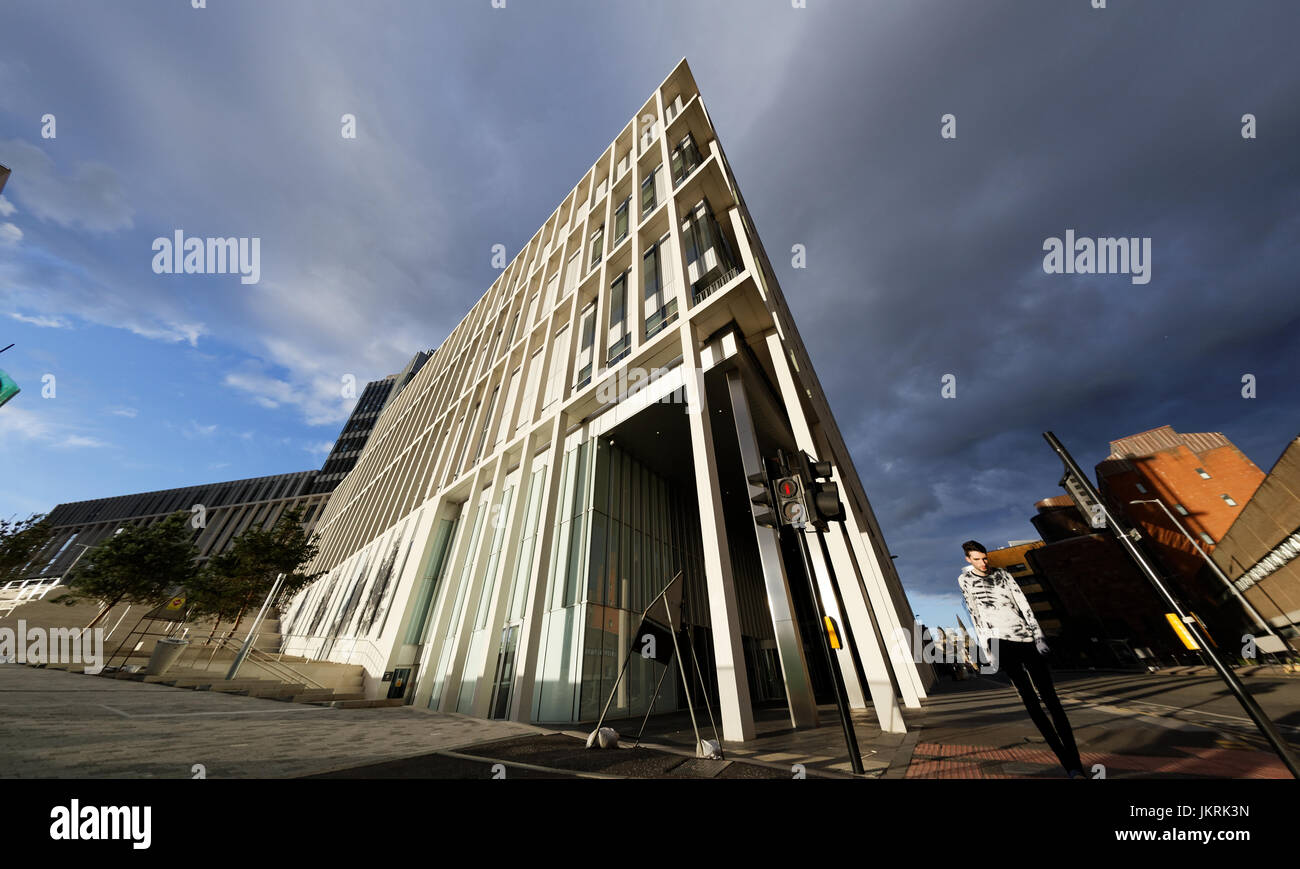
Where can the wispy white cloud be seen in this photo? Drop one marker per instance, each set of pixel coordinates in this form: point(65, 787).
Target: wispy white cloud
point(319, 448)
point(40, 319)
point(10, 235)
point(318, 396)
point(193, 429)
point(36, 427)
point(73, 440)
point(128, 412)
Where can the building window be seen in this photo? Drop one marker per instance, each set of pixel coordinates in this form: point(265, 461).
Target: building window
point(620, 220)
point(1201, 471)
point(620, 340)
point(597, 242)
point(1182, 511)
point(685, 158)
point(1228, 500)
point(709, 263)
point(659, 313)
point(648, 198)
point(586, 344)
point(1207, 538)
point(1142, 488)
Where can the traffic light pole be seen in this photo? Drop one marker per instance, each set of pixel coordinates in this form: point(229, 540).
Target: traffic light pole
point(1234, 684)
point(841, 695)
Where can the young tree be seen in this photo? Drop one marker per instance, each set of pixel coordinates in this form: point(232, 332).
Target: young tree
point(140, 565)
point(248, 569)
point(215, 592)
point(20, 542)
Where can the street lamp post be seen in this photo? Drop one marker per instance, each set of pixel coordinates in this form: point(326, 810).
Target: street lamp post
point(1254, 614)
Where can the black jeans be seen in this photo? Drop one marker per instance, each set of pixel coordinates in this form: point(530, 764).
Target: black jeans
point(1027, 669)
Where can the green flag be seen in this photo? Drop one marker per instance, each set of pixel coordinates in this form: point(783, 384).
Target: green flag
point(8, 389)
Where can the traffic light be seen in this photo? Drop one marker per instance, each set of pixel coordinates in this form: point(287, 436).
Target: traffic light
point(790, 503)
point(763, 499)
point(823, 496)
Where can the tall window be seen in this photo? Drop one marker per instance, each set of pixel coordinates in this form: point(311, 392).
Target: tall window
point(533, 378)
point(1204, 475)
point(597, 242)
point(659, 310)
point(487, 423)
point(620, 341)
point(620, 221)
point(685, 158)
point(586, 346)
point(709, 263)
point(559, 358)
point(512, 392)
point(571, 272)
point(648, 199)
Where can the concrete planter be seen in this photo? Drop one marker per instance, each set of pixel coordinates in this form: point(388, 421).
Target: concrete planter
point(165, 654)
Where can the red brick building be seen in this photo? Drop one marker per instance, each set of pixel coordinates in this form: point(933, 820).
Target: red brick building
point(1202, 479)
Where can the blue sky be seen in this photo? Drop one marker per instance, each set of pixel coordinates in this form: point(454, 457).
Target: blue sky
point(924, 254)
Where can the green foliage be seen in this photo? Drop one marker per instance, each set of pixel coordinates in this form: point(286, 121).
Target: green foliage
point(20, 542)
point(139, 564)
point(244, 574)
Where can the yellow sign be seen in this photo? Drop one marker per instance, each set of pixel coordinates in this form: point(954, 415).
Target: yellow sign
point(173, 609)
point(832, 633)
point(1181, 630)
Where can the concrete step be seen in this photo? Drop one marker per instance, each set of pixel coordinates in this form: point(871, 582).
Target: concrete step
point(311, 695)
point(362, 704)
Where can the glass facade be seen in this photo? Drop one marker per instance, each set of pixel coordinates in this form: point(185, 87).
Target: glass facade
point(622, 533)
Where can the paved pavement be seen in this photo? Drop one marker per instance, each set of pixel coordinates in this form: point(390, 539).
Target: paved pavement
point(55, 724)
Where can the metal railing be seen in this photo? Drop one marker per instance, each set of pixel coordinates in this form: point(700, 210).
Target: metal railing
point(374, 658)
point(714, 286)
point(17, 592)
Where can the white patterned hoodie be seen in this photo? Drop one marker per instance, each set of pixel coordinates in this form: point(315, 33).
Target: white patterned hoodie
point(998, 607)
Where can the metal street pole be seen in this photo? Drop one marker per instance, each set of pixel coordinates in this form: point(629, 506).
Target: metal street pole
point(841, 695)
point(252, 631)
point(1126, 540)
point(1254, 614)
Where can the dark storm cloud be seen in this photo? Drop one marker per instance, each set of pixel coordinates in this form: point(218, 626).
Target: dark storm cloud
point(925, 255)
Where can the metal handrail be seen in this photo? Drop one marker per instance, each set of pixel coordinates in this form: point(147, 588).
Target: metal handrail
point(274, 667)
point(375, 652)
point(217, 642)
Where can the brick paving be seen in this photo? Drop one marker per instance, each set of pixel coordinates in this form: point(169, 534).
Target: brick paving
point(56, 724)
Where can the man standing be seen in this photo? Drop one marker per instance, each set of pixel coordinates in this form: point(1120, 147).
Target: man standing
point(1005, 623)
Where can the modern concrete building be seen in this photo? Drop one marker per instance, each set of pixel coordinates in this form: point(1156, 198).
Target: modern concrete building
point(220, 510)
point(583, 434)
point(352, 440)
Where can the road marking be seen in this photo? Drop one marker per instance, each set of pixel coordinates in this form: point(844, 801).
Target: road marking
point(298, 708)
point(1247, 721)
